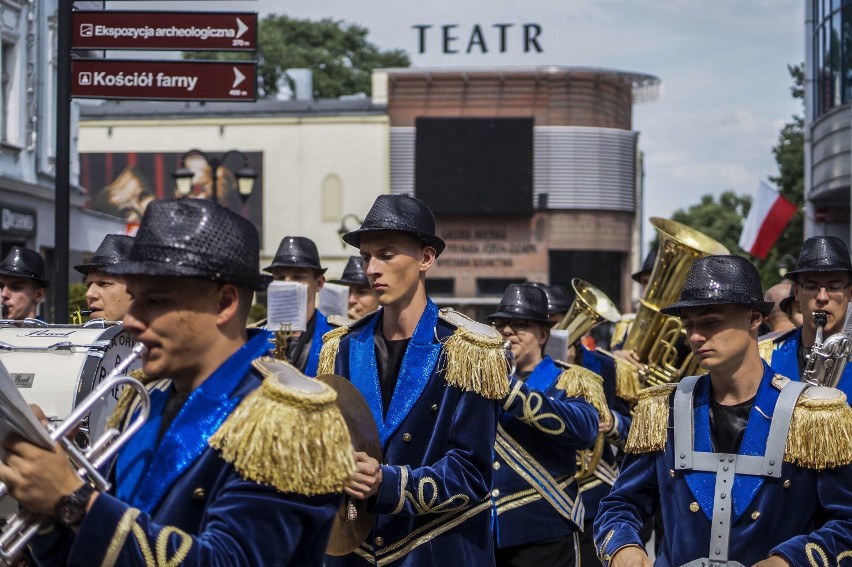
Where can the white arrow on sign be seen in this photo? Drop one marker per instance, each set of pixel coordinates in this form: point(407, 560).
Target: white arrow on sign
point(241, 28)
point(238, 77)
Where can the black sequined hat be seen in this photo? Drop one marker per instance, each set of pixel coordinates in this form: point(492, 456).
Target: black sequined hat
point(721, 280)
point(557, 297)
point(194, 238)
point(523, 301)
point(399, 213)
point(114, 249)
point(647, 266)
point(822, 254)
point(353, 273)
point(296, 252)
point(24, 263)
point(784, 304)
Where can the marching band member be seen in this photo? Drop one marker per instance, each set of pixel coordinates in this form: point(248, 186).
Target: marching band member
point(194, 486)
point(432, 387)
point(749, 469)
point(548, 414)
point(297, 260)
point(777, 322)
point(106, 294)
point(362, 296)
point(22, 282)
point(821, 282)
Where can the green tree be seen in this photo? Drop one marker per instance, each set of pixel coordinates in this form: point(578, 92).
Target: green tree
point(339, 54)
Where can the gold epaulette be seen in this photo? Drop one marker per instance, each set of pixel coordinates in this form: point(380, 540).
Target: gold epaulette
point(579, 382)
point(622, 327)
point(649, 430)
point(765, 347)
point(330, 346)
point(820, 435)
point(294, 440)
point(473, 357)
point(125, 400)
point(339, 321)
point(626, 381)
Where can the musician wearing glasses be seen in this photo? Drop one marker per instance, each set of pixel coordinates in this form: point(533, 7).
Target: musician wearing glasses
point(195, 485)
point(22, 284)
point(552, 410)
point(821, 284)
point(106, 294)
point(432, 380)
point(748, 466)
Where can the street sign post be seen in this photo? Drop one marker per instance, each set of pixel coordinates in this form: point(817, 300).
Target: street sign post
point(186, 31)
point(164, 80)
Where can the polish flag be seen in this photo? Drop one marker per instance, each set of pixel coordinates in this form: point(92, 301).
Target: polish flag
point(767, 218)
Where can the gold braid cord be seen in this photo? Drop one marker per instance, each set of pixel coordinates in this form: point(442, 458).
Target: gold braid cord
point(330, 346)
point(649, 430)
point(579, 382)
point(292, 440)
point(125, 400)
point(475, 363)
point(820, 435)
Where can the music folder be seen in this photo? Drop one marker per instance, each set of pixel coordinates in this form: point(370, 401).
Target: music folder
point(16, 415)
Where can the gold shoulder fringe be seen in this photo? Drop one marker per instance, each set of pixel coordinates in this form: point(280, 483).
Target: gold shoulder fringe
point(649, 430)
point(820, 434)
point(294, 441)
point(765, 348)
point(330, 346)
point(125, 400)
point(622, 327)
point(475, 363)
point(579, 382)
point(626, 381)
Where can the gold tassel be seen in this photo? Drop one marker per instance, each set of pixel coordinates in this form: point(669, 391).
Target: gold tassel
point(820, 434)
point(475, 363)
point(765, 348)
point(330, 346)
point(125, 400)
point(579, 382)
point(626, 381)
point(649, 430)
point(294, 441)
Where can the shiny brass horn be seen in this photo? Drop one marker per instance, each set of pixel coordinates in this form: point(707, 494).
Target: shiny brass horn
point(21, 527)
point(591, 306)
point(654, 338)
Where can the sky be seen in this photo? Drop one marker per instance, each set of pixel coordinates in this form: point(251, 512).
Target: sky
point(725, 92)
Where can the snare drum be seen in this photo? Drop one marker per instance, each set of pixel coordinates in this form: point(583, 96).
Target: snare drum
point(57, 366)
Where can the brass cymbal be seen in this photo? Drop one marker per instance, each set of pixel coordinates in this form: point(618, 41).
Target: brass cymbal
point(353, 522)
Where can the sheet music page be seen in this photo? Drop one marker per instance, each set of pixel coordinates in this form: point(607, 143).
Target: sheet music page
point(286, 303)
point(334, 299)
point(557, 345)
point(16, 415)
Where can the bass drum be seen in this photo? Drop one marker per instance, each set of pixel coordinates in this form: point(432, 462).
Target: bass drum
point(58, 366)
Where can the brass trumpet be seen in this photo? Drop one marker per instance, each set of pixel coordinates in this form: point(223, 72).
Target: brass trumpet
point(21, 527)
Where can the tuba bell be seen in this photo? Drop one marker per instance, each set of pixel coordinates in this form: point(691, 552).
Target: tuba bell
point(655, 337)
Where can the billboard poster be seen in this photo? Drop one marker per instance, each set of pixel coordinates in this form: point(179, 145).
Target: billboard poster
point(121, 184)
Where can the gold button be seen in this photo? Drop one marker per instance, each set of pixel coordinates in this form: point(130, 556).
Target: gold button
point(496, 465)
point(495, 493)
point(406, 437)
point(755, 515)
point(199, 494)
point(694, 507)
point(786, 484)
point(380, 541)
point(434, 408)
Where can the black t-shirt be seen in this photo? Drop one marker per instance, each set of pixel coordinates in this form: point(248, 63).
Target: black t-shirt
point(728, 424)
point(173, 406)
point(388, 360)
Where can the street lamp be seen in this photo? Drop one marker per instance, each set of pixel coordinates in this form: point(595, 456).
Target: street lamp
point(245, 175)
point(344, 229)
point(784, 264)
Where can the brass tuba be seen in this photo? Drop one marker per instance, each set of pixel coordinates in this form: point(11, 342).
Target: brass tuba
point(655, 337)
point(591, 307)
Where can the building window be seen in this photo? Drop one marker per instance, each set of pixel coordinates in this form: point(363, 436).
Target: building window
point(7, 80)
point(601, 269)
point(332, 198)
point(440, 287)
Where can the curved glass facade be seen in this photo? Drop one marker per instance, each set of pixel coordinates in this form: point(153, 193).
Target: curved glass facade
point(832, 54)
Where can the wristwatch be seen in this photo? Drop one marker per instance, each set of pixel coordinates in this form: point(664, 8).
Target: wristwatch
point(71, 508)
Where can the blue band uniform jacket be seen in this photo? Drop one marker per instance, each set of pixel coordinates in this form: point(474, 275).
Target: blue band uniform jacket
point(191, 507)
point(433, 505)
point(770, 515)
point(598, 484)
point(782, 354)
point(535, 495)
